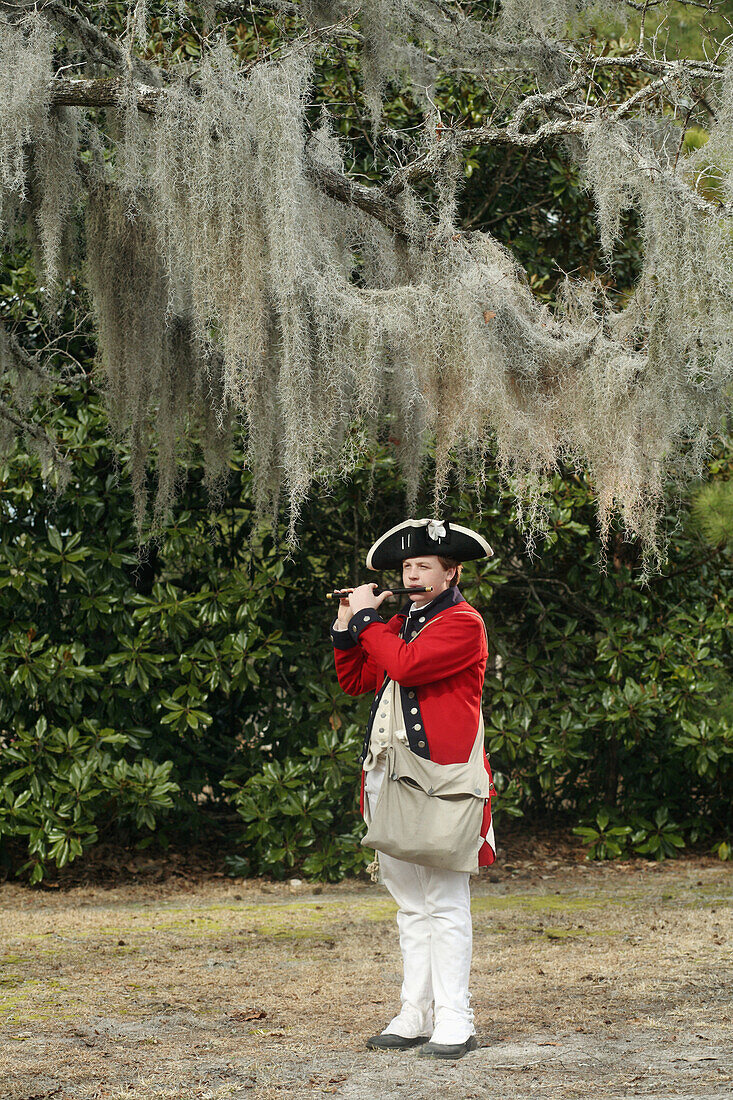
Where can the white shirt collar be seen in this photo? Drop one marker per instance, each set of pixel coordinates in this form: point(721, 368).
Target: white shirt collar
point(424, 607)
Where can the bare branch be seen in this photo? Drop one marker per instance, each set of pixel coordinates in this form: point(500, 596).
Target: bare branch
point(543, 101)
point(712, 8)
point(237, 8)
point(372, 200)
point(656, 66)
point(649, 91)
point(46, 446)
point(233, 8)
point(25, 426)
point(577, 116)
point(103, 93)
point(21, 359)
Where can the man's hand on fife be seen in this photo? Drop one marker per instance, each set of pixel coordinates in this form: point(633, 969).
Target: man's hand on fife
point(344, 616)
point(363, 597)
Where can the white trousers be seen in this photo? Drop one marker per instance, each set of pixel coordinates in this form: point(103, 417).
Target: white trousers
point(436, 939)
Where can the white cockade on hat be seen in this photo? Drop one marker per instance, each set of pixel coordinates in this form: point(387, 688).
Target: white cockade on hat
point(436, 528)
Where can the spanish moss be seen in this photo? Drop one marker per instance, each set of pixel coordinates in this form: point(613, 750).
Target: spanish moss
point(234, 292)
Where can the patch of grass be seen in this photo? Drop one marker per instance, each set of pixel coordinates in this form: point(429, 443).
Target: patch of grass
point(575, 933)
point(544, 902)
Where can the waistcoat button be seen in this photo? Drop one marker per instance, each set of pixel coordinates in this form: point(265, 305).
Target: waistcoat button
point(421, 744)
point(411, 695)
point(418, 726)
point(414, 710)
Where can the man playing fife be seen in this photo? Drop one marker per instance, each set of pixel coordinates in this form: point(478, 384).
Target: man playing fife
point(432, 656)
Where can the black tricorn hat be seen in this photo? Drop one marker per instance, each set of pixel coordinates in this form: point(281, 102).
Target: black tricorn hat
point(417, 537)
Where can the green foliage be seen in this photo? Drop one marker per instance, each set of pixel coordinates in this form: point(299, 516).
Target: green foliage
point(659, 838)
point(125, 689)
point(303, 807)
point(613, 699)
point(712, 512)
point(605, 839)
point(56, 784)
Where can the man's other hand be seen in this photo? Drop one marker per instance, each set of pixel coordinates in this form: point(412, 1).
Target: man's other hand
point(343, 618)
point(363, 597)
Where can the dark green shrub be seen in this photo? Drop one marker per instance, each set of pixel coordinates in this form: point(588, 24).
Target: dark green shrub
point(58, 785)
point(303, 812)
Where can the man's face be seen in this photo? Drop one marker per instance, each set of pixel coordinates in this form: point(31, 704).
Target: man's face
point(421, 572)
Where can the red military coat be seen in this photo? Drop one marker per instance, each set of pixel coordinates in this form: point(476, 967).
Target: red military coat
point(440, 673)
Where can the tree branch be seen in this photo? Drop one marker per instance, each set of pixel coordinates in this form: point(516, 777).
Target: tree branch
point(107, 93)
point(696, 564)
point(233, 8)
point(20, 356)
point(50, 446)
point(104, 93)
point(379, 202)
point(655, 66)
point(26, 426)
point(712, 8)
point(372, 200)
point(578, 118)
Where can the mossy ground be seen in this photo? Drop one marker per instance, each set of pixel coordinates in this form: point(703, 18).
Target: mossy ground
point(588, 981)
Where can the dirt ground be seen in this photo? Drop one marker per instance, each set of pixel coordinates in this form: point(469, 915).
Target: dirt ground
point(588, 981)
